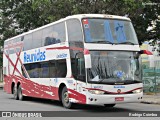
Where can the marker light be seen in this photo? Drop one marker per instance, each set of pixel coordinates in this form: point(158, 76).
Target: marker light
point(98, 92)
point(137, 91)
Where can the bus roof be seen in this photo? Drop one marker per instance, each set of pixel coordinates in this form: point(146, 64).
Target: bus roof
point(98, 16)
point(79, 16)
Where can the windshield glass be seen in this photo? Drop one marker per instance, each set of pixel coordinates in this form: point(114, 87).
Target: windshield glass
point(114, 66)
point(109, 31)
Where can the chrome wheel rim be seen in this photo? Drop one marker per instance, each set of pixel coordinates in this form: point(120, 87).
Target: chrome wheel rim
point(66, 99)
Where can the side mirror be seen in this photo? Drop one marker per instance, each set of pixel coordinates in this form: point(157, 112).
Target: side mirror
point(87, 58)
point(147, 52)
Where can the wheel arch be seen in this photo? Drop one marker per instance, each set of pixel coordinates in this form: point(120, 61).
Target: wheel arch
point(14, 84)
point(12, 87)
point(18, 84)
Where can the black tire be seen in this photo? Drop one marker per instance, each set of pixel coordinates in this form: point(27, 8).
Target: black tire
point(20, 95)
point(109, 105)
point(65, 99)
point(15, 94)
point(151, 89)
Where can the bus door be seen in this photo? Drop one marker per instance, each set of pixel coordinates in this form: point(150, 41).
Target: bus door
point(80, 71)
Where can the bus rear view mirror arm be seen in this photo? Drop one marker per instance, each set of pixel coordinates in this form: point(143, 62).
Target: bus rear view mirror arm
point(147, 52)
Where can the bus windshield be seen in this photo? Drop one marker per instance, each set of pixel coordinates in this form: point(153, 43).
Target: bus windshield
point(114, 67)
point(109, 31)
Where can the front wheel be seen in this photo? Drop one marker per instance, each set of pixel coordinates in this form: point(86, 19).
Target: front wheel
point(109, 105)
point(65, 98)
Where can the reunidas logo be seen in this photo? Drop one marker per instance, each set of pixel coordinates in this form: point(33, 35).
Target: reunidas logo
point(38, 55)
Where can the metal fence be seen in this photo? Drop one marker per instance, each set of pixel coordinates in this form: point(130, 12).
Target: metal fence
point(151, 77)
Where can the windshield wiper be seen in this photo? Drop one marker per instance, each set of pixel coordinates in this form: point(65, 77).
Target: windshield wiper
point(132, 81)
point(117, 81)
point(107, 42)
point(129, 43)
point(108, 81)
point(101, 80)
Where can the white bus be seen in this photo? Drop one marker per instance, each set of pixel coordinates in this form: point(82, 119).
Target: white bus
point(86, 59)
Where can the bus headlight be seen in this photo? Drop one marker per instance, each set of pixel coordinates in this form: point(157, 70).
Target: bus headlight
point(98, 92)
point(137, 91)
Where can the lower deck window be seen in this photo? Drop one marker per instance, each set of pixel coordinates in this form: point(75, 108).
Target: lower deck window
point(49, 69)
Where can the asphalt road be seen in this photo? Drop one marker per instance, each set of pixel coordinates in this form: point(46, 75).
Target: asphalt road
point(7, 103)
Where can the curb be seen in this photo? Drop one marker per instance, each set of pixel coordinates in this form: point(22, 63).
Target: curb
point(150, 102)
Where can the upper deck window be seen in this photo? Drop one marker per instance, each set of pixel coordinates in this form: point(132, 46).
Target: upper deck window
point(109, 31)
point(54, 34)
point(74, 30)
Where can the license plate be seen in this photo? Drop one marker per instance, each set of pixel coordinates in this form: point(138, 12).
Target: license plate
point(119, 99)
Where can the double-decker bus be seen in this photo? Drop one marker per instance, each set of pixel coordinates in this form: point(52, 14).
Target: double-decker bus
point(86, 59)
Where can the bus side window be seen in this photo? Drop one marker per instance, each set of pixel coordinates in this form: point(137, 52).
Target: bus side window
point(54, 34)
point(23, 73)
point(44, 70)
point(32, 69)
point(36, 39)
point(27, 67)
point(27, 42)
point(49, 41)
point(4, 71)
point(52, 39)
point(61, 68)
point(52, 69)
point(74, 30)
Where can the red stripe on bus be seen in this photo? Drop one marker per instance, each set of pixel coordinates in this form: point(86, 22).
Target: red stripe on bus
point(81, 98)
point(30, 88)
point(18, 55)
point(13, 45)
point(57, 48)
point(13, 65)
point(64, 47)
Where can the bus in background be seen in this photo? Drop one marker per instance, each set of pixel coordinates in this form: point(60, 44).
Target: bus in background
point(85, 58)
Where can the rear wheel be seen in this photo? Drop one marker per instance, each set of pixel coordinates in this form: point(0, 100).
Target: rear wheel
point(20, 96)
point(65, 98)
point(109, 105)
point(15, 94)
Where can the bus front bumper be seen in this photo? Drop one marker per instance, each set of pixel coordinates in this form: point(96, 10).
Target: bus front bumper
point(113, 99)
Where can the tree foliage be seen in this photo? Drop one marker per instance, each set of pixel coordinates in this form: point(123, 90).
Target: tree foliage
point(17, 16)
